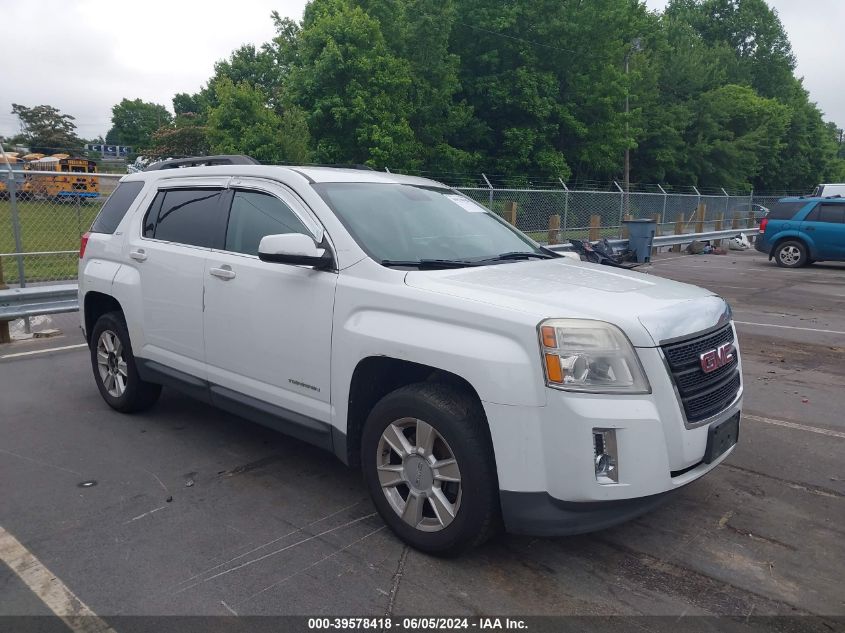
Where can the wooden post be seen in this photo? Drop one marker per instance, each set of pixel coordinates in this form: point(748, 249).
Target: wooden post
point(717, 226)
point(735, 222)
point(5, 337)
point(752, 220)
point(699, 218)
point(595, 228)
point(679, 230)
point(510, 212)
point(624, 233)
point(554, 229)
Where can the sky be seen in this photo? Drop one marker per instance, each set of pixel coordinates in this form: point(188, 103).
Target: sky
point(84, 56)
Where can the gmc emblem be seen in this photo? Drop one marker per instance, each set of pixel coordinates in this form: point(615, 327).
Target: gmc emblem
point(715, 358)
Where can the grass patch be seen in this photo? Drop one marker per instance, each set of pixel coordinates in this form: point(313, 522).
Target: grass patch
point(45, 226)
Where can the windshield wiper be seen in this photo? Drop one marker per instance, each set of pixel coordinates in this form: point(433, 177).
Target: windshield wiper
point(518, 255)
point(423, 264)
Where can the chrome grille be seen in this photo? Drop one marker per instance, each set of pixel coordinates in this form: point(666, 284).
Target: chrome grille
point(703, 394)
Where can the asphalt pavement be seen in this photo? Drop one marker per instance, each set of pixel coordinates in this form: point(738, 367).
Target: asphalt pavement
point(185, 510)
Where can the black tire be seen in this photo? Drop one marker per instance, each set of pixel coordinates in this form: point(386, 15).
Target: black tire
point(137, 395)
point(791, 254)
point(459, 420)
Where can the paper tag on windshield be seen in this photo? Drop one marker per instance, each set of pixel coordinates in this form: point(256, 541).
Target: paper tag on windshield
point(466, 204)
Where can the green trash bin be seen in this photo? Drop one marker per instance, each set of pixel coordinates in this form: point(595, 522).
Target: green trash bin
point(641, 237)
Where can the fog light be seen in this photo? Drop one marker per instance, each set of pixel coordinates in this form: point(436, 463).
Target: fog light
point(606, 461)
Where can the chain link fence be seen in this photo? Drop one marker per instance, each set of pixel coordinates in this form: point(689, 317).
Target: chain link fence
point(43, 215)
point(562, 214)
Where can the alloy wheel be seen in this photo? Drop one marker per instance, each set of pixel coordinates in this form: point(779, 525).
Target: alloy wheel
point(111, 364)
point(419, 474)
point(790, 255)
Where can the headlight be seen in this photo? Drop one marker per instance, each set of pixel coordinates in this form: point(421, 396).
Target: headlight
point(590, 356)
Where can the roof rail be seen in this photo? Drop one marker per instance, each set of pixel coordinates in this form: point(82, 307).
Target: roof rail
point(202, 161)
point(344, 166)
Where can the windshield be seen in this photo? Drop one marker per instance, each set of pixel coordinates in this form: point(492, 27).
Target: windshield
point(407, 224)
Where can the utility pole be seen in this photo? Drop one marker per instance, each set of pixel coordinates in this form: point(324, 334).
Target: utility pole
point(636, 46)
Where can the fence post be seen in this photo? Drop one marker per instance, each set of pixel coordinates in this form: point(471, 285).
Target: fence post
point(595, 228)
point(510, 212)
point(752, 220)
point(4, 325)
point(554, 228)
point(624, 231)
point(565, 208)
point(679, 230)
point(698, 193)
point(699, 217)
point(735, 222)
point(665, 199)
point(483, 175)
point(621, 205)
point(717, 226)
point(16, 231)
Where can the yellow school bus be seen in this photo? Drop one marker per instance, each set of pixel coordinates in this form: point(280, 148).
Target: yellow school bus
point(14, 163)
point(70, 180)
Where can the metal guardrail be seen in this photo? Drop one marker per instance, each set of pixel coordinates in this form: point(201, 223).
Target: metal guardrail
point(16, 303)
point(672, 240)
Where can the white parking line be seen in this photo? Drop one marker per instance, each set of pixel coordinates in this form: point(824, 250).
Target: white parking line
point(794, 425)
point(790, 327)
point(52, 591)
point(43, 351)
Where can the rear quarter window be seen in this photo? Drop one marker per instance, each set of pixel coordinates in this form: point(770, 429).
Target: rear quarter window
point(116, 206)
point(785, 210)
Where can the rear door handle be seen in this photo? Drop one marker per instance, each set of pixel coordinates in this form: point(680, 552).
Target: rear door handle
point(224, 272)
point(138, 255)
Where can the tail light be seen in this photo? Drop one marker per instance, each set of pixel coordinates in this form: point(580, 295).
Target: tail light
point(83, 242)
point(763, 224)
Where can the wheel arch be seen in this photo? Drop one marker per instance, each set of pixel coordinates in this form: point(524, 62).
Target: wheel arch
point(793, 236)
point(376, 376)
point(95, 305)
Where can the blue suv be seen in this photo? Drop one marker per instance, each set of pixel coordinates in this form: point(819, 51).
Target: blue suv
point(800, 231)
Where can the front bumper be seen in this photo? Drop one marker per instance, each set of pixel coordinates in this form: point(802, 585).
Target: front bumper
point(545, 455)
point(540, 514)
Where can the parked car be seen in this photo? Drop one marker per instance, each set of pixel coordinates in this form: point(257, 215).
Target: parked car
point(476, 378)
point(800, 231)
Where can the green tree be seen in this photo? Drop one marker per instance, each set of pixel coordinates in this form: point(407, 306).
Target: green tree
point(354, 91)
point(242, 123)
point(735, 136)
point(46, 130)
point(133, 122)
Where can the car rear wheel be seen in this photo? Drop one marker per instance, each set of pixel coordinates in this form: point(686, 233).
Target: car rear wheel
point(114, 367)
point(791, 254)
point(428, 463)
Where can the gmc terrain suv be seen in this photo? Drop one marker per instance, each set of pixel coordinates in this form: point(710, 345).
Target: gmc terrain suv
point(476, 378)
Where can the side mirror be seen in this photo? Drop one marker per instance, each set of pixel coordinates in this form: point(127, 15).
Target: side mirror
point(294, 248)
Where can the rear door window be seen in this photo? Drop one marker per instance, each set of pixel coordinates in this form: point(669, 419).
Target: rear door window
point(195, 217)
point(116, 206)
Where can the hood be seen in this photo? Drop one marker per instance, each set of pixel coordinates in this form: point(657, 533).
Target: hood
point(647, 308)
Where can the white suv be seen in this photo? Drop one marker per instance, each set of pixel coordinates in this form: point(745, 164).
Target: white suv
point(474, 376)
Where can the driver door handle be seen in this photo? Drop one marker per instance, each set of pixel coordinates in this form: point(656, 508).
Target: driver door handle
point(224, 272)
point(139, 255)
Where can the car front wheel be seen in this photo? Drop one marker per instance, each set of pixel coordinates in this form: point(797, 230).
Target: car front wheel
point(791, 254)
point(428, 463)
